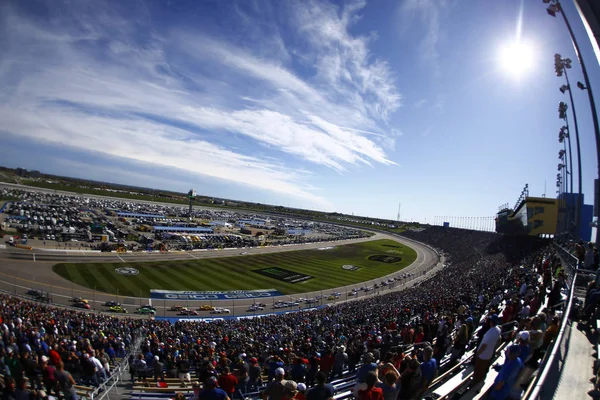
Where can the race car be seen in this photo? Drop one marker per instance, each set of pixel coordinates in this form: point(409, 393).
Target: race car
point(331, 297)
point(81, 305)
point(33, 293)
point(187, 312)
point(111, 304)
point(219, 310)
point(205, 307)
point(78, 300)
point(117, 309)
point(177, 308)
point(149, 306)
point(144, 310)
point(255, 307)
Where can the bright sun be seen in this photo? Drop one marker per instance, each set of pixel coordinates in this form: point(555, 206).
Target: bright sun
point(516, 58)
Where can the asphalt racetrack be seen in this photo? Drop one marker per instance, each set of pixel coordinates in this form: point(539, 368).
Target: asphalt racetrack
point(21, 270)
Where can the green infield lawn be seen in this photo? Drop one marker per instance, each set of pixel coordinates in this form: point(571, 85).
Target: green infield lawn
point(374, 259)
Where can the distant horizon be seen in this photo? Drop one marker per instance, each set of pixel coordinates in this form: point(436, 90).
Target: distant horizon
point(346, 105)
point(183, 193)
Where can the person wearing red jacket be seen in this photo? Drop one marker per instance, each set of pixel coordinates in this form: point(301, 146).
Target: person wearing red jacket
point(54, 356)
point(371, 392)
point(228, 382)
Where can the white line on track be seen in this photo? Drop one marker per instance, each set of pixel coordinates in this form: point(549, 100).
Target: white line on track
point(193, 256)
point(120, 258)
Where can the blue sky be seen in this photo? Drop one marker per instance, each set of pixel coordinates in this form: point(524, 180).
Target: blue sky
point(352, 106)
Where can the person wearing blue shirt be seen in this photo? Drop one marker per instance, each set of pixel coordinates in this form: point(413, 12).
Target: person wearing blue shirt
point(274, 363)
point(211, 391)
point(322, 390)
point(363, 370)
point(429, 370)
point(508, 374)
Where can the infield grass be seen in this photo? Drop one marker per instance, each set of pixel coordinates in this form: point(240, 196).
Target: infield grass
point(236, 272)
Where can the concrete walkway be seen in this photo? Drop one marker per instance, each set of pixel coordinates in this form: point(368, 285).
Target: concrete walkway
point(569, 377)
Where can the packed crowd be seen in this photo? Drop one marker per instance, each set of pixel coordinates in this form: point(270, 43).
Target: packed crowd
point(313, 347)
point(46, 350)
point(296, 351)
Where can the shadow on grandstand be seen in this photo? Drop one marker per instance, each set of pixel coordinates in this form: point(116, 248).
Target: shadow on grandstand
point(473, 244)
point(553, 379)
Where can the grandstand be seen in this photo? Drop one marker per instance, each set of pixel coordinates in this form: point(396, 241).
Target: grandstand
point(524, 283)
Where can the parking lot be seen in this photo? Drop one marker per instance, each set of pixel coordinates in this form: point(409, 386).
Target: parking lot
point(62, 221)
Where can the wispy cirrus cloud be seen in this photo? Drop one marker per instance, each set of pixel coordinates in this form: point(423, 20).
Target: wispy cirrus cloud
point(187, 98)
point(429, 14)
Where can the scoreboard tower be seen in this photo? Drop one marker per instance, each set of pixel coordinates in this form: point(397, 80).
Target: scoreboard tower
point(191, 196)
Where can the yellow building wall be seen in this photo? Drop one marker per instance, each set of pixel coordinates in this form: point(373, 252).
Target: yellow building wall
point(548, 218)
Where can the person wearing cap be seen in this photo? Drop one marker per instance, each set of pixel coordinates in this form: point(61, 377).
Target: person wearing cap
point(274, 363)
point(12, 363)
point(243, 370)
point(254, 375)
point(183, 369)
point(290, 390)
point(48, 376)
point(211, 391)
point(362, 372)
point(508, 374)
point(275, 389)
point(322, 390)
point(524, 348)
point(157, 369)
point(429, 370)
point(301, 391)
point(485, 351)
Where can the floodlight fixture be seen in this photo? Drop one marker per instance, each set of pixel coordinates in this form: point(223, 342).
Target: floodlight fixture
point(552, 10)
point(562, 110)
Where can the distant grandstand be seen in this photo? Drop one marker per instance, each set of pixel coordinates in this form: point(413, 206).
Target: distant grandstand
point(545, 217)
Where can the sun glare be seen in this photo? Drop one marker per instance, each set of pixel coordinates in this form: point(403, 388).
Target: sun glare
point(516, 58)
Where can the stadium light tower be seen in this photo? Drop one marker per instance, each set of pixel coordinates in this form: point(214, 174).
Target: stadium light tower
point(562, 134)
point(556, 8)
point(561, 65)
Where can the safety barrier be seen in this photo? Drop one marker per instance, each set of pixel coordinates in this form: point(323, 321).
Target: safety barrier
point(105, 389)
point(534, 391)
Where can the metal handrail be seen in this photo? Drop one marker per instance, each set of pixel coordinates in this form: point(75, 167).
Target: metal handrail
point(533, 391)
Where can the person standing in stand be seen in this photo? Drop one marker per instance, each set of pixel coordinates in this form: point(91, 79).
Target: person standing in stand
point(485, 351)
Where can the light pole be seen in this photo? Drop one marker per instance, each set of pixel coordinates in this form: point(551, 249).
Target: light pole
point(553, 8)
point(561, 65)
point(562, 135)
